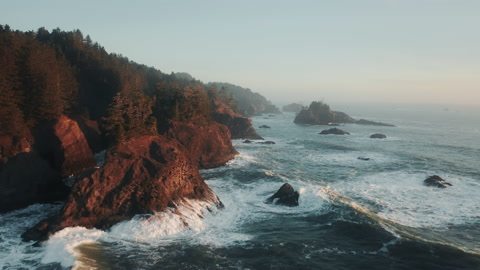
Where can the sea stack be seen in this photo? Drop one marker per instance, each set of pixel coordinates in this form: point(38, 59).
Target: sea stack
point(285, 195)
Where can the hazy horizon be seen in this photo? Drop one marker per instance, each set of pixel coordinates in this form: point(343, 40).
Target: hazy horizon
point(376, 51)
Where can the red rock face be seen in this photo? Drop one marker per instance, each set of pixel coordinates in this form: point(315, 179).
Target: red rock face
point(74, 154)
point(141, 176)
point(240, 127)
point(208, 145)
point(63, 144)
point(91, 130)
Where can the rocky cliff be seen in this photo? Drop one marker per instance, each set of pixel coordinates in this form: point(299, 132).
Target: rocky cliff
point(293, 107)
point(140, 176)
point(32, 167)
point(240, 126)
point(63, 144)
point(208, 145)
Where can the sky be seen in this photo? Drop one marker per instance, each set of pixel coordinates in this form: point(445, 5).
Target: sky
point(341, 51)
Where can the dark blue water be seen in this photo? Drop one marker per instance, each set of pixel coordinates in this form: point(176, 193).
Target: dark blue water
point(353, 214)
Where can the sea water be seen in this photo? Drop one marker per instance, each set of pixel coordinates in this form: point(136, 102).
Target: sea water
point(353, 213)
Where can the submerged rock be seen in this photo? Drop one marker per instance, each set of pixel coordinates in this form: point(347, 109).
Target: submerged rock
point(378, 136)
point(363, 158)
point(263, 126)
point(247, 141)
point(140, 176)
point(286, 195)
point(266, 142)
point(372, 123)
point(334, 131)
point(436, 181)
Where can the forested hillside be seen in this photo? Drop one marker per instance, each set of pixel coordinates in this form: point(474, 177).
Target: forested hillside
point(249, 103)
point(47, 74)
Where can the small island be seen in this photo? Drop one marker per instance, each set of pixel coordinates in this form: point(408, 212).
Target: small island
point(319, 113)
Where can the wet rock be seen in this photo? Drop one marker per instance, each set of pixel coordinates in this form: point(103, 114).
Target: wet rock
point(141, 176)
point(372, 123)
point(247, 141)
point(378, 136)
point(363, 158)
point(263, 126)
point(436, 181)
point(334, 131)
point(286, 195)
point(266, 142)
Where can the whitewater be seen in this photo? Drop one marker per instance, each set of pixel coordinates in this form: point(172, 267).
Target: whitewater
point(353, 213)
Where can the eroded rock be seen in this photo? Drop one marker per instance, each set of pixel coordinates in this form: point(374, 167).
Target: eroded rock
point(285, 195)
point(140, 176)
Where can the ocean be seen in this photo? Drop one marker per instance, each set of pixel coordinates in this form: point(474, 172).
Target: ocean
point(353, 213)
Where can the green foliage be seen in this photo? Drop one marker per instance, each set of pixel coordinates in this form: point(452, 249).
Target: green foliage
point(190, 104)
point(46, 74)
point(129, 116)
point(243, 100)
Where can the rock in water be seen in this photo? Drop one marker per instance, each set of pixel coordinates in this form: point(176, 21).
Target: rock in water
point(334, 131)
point(286, 195)
point(378, 136)
point(266, 142)
point(263, 126)
point(372, 123)
point(140, 176)
point(436, 181)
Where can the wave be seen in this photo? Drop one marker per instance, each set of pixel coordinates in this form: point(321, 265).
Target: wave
point(185, 220)
point(14, 253)
point(424, 225)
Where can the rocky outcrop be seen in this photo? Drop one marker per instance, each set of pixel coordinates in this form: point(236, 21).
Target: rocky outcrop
point(93, 134)
point(293, 107)
point(286, 195)
point(240, 127)
point(436, 181)
point(266, 142)
point(319, 113)
point(334, 131)
point(264, 126)
point(140, 176)
point(378, 136)
point(63, 144)
point(248, 102)
point(208, 145)
point(26, 179)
